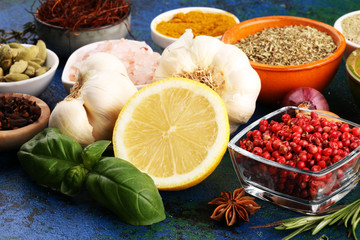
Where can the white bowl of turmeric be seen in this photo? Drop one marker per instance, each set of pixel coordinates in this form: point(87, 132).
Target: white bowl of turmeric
point(167, 27)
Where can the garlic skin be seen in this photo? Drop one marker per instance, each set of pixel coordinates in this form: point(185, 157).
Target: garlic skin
point(90, 111)
point(70, 117)
point(223, 67)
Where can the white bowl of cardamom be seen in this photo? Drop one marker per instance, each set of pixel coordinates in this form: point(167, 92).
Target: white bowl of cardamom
point(348, 25)
point(167, 27)
point(31, 68)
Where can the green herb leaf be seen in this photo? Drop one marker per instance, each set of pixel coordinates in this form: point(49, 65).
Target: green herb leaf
point(93, 152)
point(126, 191)
point(73, 180)
point(48, 156)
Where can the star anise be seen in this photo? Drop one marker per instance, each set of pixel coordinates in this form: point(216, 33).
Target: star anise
point(234, 207)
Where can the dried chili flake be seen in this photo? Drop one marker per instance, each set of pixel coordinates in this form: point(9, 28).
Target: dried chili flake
point(83, 14)
point(17, 112)
point(288, 45)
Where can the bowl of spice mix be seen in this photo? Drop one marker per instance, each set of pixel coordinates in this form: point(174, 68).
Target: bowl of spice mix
point(349, 26)
point(22, 116)
point(68, 25)
point(26, 68)
point(167, 27)
point(288, 52)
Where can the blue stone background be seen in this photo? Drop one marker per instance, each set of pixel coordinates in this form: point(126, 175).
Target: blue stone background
point(30, 211)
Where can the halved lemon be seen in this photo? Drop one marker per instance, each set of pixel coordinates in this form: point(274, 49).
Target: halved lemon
point(176, 130)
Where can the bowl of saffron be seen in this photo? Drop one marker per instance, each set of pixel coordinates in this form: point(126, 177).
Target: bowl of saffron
point(167, 27)
point(64, 29)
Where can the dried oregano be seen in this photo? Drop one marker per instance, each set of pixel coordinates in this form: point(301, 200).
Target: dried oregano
point(288, 45)
point(351, 28)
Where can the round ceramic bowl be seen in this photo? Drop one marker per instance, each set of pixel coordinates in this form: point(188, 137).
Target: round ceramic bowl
point(35, 85)
point(164, 41)
point(13, 139)
point(64, 42)
point(134, 54)
point(350, 46)
point(276, 80)
point(353, 73)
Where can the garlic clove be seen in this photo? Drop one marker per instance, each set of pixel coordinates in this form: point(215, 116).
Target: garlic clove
point(104, 95)
point(100, 61)
point(70, 117)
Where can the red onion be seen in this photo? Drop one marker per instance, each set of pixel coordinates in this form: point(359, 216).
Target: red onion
point(306, 97)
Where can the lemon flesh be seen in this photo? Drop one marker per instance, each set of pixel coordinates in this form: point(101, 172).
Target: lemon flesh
point(176, 130)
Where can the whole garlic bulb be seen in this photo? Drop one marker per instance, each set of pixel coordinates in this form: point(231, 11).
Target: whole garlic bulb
point(90, 111)
point(223, 67)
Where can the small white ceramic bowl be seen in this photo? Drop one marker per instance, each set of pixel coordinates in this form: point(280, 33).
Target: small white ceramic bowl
point(70, 71)
point(164, 41)
point(13, 139)
point(36, 85)
point(350, 46)
point(65, 42)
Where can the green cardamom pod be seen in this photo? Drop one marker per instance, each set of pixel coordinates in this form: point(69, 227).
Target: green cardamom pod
point(42, 51)
point(37, 60)
point(41, 70)
point(5, 53)
point(14, 77)
point(18, 67)
point(30, 71)
point(28, 53)
point(15, 45)
point(1, 72)
point(34, 64)
point(14, 52)
point(6, 64)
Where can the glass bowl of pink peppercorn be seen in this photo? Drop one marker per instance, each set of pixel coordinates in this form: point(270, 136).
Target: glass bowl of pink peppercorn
point(297, 158)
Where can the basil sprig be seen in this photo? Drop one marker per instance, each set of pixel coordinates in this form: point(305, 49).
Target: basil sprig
point(58, 161)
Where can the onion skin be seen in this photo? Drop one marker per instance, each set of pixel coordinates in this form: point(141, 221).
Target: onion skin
point(305, 97)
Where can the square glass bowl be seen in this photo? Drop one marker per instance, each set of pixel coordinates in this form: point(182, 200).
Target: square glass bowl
point(282, 184)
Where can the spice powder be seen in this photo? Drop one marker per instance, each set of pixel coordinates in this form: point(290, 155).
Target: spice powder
point(351, 28)
point(288, 45)
point(201, 23)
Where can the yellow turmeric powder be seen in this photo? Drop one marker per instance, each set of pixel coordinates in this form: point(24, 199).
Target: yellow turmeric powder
point(201, 23)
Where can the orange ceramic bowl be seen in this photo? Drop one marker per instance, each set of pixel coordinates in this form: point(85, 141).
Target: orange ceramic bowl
point(276, 80)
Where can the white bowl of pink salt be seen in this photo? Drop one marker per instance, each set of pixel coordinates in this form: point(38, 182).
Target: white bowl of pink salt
point(138, 58)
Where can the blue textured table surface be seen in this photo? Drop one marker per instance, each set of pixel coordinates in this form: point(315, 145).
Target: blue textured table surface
point(30, 211)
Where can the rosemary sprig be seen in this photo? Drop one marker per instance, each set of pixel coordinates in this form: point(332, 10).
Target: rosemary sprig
point(24, 36)
point(348, 215)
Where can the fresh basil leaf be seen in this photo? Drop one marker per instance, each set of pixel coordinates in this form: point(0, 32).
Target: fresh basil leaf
point(93, 152)
point(73, 180)
point(48, 156)
point(125, 190)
